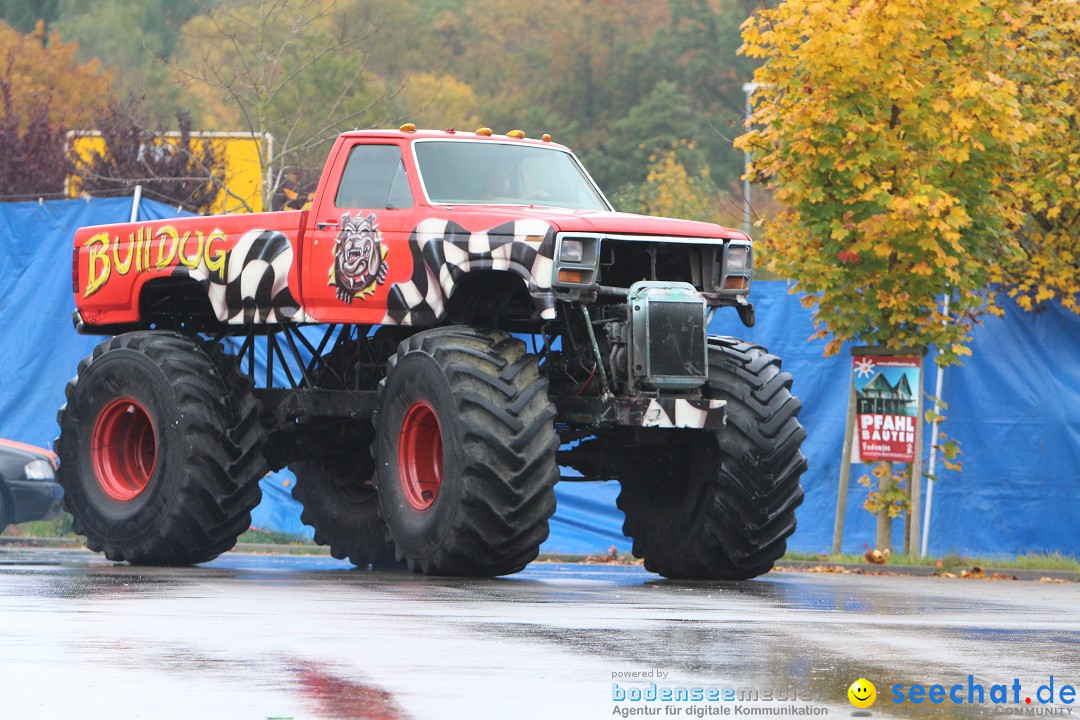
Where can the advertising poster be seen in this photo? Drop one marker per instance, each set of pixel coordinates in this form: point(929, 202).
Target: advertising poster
point(886, 407)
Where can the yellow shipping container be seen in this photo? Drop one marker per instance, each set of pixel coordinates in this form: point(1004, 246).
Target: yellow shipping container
point(240, 151)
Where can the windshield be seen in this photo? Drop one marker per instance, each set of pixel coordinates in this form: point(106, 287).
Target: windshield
point(460, 172)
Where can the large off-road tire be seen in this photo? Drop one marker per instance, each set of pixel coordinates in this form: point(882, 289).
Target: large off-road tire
point(339, 500)
point(727, 513)
point(465, 453)
point(160, 450)
point(335, 484)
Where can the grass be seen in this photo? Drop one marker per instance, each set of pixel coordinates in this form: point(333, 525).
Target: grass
point(61, 528)
point(272, 537)
point(953, 561)
point(1045, 561)
point(849, 558)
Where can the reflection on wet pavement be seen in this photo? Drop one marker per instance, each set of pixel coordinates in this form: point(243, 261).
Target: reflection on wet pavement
point(307, 637)
point(336, 697)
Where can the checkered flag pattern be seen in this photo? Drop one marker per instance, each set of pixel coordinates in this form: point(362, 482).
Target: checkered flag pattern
point(683, 413)
point(256, 287)
point(443, 251)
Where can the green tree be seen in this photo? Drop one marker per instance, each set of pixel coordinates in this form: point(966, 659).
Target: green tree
point(698, 51)
point(24, 15)
point(296, 69)
point(527, 77)
point(134, 39)
point(619, 81)
point(655, 124)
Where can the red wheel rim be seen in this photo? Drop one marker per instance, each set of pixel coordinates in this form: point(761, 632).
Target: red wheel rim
point(420, 456)
point(124, 450)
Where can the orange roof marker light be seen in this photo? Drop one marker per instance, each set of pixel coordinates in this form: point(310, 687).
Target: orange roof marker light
point(545, 137)
point(408, 127)
point(519, 134)
point(486, 132)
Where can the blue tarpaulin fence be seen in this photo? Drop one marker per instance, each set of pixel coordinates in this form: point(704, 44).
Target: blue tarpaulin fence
point(1014, 406)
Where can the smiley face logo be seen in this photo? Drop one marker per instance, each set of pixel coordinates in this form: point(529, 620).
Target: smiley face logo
point(862, 693)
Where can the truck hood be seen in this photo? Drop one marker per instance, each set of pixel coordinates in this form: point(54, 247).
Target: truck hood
point(593, 221)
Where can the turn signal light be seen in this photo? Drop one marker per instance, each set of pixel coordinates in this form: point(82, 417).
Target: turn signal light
point(571, 276)
point(736, 282)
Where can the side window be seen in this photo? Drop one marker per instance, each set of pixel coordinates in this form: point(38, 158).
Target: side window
point(374, 177)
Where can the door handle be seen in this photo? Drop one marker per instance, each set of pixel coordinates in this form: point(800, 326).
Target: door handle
point(325, 225)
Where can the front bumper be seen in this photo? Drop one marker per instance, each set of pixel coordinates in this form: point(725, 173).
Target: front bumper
point(35, 499)
point(641, 412)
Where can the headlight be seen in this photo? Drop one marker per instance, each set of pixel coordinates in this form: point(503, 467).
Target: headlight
point(39, 470)
point(577, 261)
point(738, 259)
point(738, 267)
point(572, 251)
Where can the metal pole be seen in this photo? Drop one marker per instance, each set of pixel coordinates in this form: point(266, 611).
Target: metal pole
point(267, 202)
point(135, 200)
point(845, 472)
point(933, 447)
point(749, 89)
point(917, 470)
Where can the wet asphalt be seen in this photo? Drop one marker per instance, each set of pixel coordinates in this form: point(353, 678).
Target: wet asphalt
point(266, 636)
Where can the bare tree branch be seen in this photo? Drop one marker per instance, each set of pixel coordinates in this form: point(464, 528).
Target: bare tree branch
point(264, 59)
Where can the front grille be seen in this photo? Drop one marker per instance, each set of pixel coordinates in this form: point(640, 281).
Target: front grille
point(625, 262)
point(667, 327)
point(676, 345)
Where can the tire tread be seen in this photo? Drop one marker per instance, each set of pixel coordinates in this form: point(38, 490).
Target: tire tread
point(509, 470)
point(219, 480)
point(748, 504)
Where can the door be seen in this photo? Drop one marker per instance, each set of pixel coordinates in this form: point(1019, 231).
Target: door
point(359, 245)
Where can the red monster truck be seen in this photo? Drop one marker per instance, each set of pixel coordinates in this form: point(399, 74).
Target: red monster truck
point(420, 429)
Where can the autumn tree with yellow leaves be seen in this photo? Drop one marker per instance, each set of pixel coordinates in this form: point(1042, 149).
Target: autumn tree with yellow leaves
point(1043, 191)
point(918, 148)
point(293, 69)
point(41, 65)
